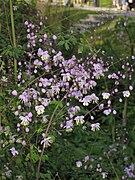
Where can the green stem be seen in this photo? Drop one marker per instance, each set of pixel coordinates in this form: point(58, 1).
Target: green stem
point(124, 119)
point(113, 167)
point(13, 37)
point(7, 22)
point(113, 130)
point(130, 40)
point(43, 149)
point(40, 159)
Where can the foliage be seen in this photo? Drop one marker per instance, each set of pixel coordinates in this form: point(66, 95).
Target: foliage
point(64, 117)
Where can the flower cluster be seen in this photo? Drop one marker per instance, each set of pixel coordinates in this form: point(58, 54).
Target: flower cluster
point(85, 164)
point(48, 82)
point(130, 171)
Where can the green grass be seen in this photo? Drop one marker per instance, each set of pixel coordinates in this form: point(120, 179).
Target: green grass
point(105, 3)
point(102, 3)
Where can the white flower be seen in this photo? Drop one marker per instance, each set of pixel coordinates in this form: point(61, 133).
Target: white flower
point(55, 89)
point(40, 109)
point(19, 177)
point(86, 100)
point(95, 127)
point(4, 79)
point(114, 112)
point(104, 175)
point(98, 70)
point(15, 8)
point(131, 88)
point(86, 103)
point(44, 54)
point(101, 106)
point(66, 77)
point(13, 151)
point(79, 120)
point(107, 111)
point(106, 95)
point(8, 173)
point(45, 57)
point(120, 100)
point(69, 125)
point(78, 163)
point(81, 84)
point(89, 98)
point(47, 142)
point(25, 120)
point(44, 119)
point(86, 158)
point(94, 98)
point(69, 129)
point(126, 93)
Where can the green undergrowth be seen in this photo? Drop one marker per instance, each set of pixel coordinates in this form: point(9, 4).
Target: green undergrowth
point(79, 153)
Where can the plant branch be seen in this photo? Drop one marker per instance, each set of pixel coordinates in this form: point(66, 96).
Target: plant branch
point(43, 149)
point(13, 37)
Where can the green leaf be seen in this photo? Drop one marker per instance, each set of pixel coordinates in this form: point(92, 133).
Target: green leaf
point(27, 157)
point(18, 160)
point(45, 158)
point(132, 135)
point(57, 103)
point(61, 43)
point(39, 130)
point(66, 46)
point(132, 145)
point(52, 138)
point(35, 157)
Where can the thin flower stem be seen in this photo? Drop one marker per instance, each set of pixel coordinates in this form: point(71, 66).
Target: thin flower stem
point(113, 167)
point(7, 22)
point(124, 119)
point(130, 40)
point(14, 38)
point(43, 149)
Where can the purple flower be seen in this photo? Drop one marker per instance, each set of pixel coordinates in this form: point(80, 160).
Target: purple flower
point(40, 109)
point(24, 97)
point(131, 167)
point(41, 23)
point(107, 111)
point(106, 95)
point(26, 23)
point(14, 93)
point(126, 93)
point(25, 120)
point(27, 129)
point(69, 125)
point(78, 163)
point(47, 142)
point(95, 127)
point(13, 151)
point(16, 113)
point(54, 37)
point(45, 36)
point(130, 170)
point(30, 115)
point(133, 57)
point(79, 120)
